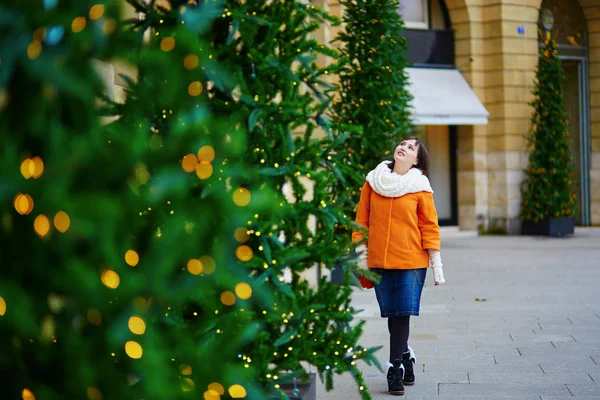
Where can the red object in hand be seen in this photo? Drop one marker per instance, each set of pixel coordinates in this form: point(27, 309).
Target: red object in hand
point(366, 283)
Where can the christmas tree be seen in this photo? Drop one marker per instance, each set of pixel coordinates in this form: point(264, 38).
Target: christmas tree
point(547, 191)
point(373, 86)
point(106, 239)
point(161, 255)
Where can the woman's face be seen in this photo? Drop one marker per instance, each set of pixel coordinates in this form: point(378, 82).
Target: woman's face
point(406, 152)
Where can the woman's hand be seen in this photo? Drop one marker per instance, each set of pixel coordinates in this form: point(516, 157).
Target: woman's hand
point(438, 275)
point(435, 262)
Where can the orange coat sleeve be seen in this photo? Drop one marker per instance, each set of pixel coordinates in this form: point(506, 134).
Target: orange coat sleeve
point(362, 214)
point(428, 222)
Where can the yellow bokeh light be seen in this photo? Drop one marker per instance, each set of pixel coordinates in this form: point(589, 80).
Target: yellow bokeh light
point(132, 258)
point(189, 163)
point(185, 369)
point(110, 279)
point(2, 306)
point(208, 264)
point(34, 49)
point(204, 170)
point(4, 99)
point(39, 34)
point(211, 395)
point(191, 61)
point(94, 317)
point(41, 225)
point(133, 349)
point(167, 44)
point(62, 222)
point(243, 290)
point(241, 197)
point(27, 394)
point(23, 204)
point(48, 328)
point(109, 26)
point(78, 24)
point(140, 305)
point(206, 154)
point(29, 204)
point(217, 387)
point(137, 325)
point(187, 385)
point(194, 266)
point(244, 253)
point(237, 392)
point(195, 88)
point(94, 394)
point(241, 235)
point(228, 298)
point(38, 168)
point(56, 302)
point(97, 11)
point(27, 168)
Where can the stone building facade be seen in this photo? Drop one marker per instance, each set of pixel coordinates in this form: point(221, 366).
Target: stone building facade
point(494, 46)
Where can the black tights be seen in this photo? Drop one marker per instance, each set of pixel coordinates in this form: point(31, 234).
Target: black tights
point(399, 328)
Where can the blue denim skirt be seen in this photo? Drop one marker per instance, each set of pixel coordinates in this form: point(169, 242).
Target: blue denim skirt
point(399, 291)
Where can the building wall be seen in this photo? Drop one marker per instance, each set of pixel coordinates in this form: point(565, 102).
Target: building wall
point(499, 64)
point(591, 10)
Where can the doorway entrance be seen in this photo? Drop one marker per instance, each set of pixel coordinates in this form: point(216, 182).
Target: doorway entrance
point(575, 85)
point(564, 19)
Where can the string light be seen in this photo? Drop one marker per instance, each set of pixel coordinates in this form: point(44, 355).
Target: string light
point(133, 350)
point(96, 11)
point(94, 394)
point(62, 222)
point(78, 24)
point(41, 225)
point(241, 197)
point(132, 258)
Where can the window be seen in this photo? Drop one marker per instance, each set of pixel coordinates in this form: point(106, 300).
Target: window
point(565, 20)
point(415, 13)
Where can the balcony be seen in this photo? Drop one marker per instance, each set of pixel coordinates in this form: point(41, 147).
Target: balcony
point(430, 47)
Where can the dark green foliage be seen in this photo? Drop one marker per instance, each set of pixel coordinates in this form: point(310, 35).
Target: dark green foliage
point(548, 188)
point(262, 107)
point(373, 86)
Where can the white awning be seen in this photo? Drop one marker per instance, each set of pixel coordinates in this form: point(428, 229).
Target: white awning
point(443, 97)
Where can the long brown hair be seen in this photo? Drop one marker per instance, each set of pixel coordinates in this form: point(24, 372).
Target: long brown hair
point(422, 156)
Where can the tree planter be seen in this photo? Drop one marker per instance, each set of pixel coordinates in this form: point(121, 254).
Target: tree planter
point(301, 390)
point(549, 227)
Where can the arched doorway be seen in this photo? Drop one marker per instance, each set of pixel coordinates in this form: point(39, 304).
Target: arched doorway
point(565, 19)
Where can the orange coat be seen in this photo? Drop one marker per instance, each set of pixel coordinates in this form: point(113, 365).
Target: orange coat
point(400, 229)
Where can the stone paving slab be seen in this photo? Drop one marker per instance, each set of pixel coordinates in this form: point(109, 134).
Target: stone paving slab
point(568, 398)
point(529, 377)
point(513, 322)
point(477, 397)
point(585, 390)
point(505, 389)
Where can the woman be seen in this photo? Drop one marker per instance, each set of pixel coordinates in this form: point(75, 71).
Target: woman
point(397, 208)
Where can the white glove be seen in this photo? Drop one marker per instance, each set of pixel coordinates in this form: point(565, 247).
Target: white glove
point(435, 262)
point(362, 255)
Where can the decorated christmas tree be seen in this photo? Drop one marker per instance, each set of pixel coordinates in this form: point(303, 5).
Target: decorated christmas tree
point(373, 86)
point(106, 239)
point(276, 95)
point(161, 255)
point(547, 191)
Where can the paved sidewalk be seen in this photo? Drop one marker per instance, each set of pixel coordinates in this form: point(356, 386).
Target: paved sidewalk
point(519, 318)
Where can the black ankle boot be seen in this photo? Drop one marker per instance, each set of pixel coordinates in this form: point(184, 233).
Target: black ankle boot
point(395, 375)
point(408, 361)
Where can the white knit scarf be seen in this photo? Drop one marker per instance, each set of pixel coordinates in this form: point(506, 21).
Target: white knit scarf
point(390, 184)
